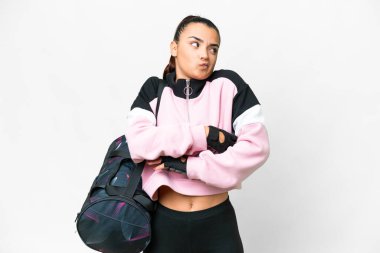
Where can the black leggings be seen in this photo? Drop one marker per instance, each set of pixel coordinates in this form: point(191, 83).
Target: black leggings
point(213, 230)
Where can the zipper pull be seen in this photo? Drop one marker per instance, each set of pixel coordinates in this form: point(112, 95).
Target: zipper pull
point(188, 90)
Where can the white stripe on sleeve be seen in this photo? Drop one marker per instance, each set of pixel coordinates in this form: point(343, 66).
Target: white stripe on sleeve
point(251, 115)
point(139, 112)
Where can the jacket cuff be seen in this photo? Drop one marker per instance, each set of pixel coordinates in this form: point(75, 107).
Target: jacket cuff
point(194, 163)
point(199, 138)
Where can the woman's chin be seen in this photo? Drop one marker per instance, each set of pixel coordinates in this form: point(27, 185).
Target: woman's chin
point(200, 75)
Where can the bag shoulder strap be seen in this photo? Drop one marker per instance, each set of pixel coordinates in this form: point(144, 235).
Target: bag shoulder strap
point(161, 87)
point(135, 177)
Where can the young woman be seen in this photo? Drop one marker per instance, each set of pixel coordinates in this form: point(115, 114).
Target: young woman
point(208, 137)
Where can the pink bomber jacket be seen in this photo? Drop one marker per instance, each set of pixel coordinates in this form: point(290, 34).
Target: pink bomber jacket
point(223, 100)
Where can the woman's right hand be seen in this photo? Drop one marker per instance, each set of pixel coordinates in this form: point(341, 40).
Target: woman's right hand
point(218, 140)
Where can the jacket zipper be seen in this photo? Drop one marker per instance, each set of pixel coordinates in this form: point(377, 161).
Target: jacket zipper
point(188, 91)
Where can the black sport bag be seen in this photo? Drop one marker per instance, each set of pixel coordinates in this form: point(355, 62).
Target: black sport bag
point(115, 217)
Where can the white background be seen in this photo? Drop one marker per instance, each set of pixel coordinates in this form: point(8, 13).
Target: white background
point(70, 70)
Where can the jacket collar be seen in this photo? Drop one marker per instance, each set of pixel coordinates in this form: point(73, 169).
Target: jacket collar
point(179, 85)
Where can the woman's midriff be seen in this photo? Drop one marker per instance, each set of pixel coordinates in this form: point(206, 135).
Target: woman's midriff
point(174, 200)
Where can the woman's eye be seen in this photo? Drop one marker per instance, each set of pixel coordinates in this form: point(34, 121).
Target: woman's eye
point(214, 50)
point(196, 43)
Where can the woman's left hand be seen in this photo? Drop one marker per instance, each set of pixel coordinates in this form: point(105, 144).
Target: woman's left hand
point(173, 164)
point(153, 162)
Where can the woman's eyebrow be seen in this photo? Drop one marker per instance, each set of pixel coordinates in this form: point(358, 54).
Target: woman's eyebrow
point(196, 38)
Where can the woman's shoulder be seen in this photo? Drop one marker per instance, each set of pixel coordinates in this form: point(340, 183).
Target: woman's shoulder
point(151, 83)
point(149, 89)
point(232, 75)
point(228, 72)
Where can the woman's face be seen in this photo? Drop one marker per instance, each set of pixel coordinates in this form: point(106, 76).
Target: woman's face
point(196, 52)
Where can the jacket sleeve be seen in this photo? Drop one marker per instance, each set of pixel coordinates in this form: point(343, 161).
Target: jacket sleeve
point(146, 141)
point(228, 169)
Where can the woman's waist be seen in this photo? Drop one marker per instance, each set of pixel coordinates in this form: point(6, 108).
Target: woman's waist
point(180, 202)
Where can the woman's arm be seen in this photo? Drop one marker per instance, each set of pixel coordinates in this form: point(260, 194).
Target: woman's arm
point(228, 169)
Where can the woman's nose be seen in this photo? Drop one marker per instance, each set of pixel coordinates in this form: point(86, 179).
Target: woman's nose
point(203, 53)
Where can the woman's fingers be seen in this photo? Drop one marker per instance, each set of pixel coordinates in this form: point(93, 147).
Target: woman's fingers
point(152, 162)
point(159, 167)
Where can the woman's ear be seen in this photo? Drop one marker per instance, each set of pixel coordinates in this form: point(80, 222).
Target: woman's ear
point(173, 48)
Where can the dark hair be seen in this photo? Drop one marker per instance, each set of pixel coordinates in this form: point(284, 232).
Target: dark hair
point(182, 25)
